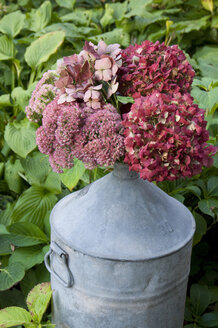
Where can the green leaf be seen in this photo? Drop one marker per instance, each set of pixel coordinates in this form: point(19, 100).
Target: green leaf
point(208, 205)
point(195, 190)
point(191, 25)
point(212, 186)
point(41, 49)
point(209, 320)
point(206, 99)
point(208, 5)
point(12, 177)
point(12, 23)
point(38, 300)
point(5, 216)
point(21, 97)
point(214, 23)
point(5, 245)
point(179, 197)
point(10, 275)
point(66, 3)
point(201, 228)
point(79, 17)
point(20, 137)
point(71, 177)
point(29, 256)
point(12, 297)
point(2, 165)
point(6, 48)
point(115, 36)
point(33, 205)
point(137, 7)
point(125, 100)
point(39, 18)
point(208, 61)
point(213, 294)
point(14, 316)
point(26, 234)
point(107, 18)
point(5, 100)
point(38, 172)
point(200, 298)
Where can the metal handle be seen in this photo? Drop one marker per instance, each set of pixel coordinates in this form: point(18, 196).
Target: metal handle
point(54, 248)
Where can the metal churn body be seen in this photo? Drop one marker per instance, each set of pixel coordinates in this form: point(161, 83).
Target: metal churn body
point(120, 255)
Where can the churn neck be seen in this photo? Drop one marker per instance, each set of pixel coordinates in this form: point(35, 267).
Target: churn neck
point(122, 171)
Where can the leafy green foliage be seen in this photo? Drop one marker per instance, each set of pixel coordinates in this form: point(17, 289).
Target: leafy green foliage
point(33, 35)
point(20, 137)
point(41, 49)
point(12, 23)
point(37, 302)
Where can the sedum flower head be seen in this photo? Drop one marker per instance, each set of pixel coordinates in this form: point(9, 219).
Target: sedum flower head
point(73, 130)
point(166, 137)
point(43, 94)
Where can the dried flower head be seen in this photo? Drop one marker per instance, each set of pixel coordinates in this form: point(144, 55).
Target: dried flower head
point(165, 137)
point(154, 66)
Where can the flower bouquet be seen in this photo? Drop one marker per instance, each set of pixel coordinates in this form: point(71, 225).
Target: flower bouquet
point(105, 105)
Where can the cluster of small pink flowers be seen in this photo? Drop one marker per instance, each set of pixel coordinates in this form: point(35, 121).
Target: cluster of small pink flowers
point(82, 76)
point(44, 93)
point(165, 137)
point(74, 130)
point(154, 66)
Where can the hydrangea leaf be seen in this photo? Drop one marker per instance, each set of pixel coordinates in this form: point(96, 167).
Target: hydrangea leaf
point(41, 49)
point(38, 300)
point(11, 274)
point(14, 316)
point(12, 23)
point(20, 137)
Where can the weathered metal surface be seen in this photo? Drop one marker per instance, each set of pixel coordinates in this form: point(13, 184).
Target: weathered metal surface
point(128, 249)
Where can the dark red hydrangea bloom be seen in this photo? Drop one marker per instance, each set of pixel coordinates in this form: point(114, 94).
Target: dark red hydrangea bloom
point(154, 66)
point(165, 137)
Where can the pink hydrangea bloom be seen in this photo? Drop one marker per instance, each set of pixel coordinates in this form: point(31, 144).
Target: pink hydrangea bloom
point(43, 94)
point(165, 137)
point(73, 130)
point(154, 66)
point(82, 75)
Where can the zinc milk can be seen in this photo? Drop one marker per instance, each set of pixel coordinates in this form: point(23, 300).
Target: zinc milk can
point(119, 255)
